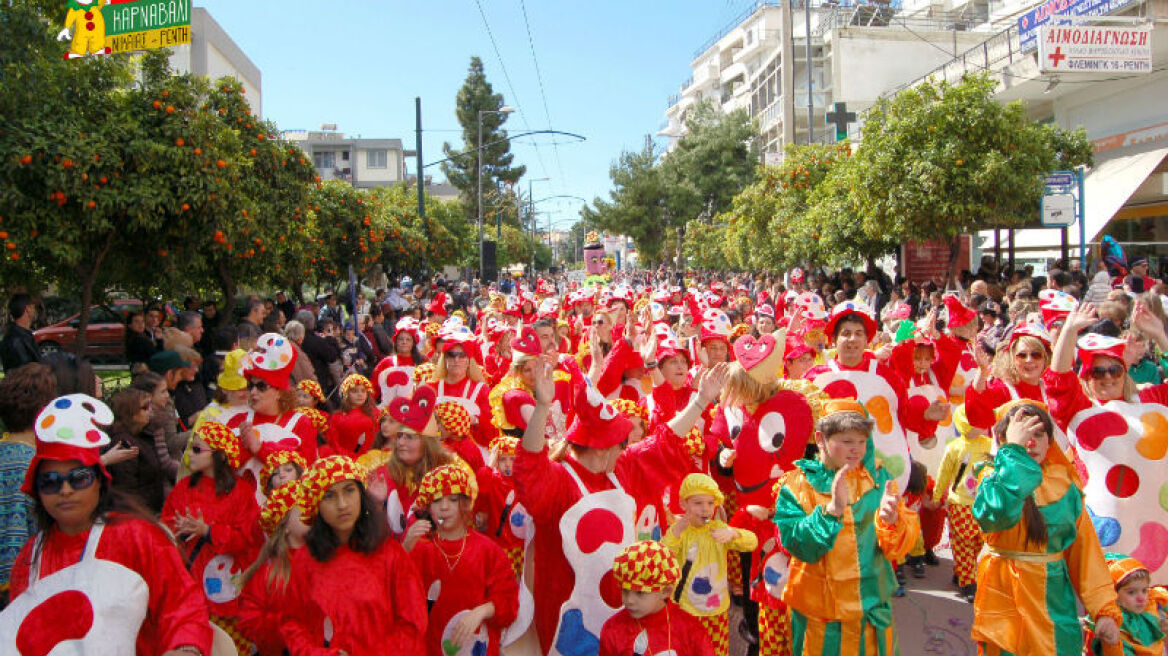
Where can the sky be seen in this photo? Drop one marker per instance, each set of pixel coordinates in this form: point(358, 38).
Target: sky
point(603, 69)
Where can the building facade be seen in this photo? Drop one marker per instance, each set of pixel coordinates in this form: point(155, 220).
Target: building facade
point(364, 163)
point(214, 54)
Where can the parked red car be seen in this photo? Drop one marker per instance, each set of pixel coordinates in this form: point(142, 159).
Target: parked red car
point(105, 337)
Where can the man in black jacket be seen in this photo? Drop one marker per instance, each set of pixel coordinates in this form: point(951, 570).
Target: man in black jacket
point(19, 347)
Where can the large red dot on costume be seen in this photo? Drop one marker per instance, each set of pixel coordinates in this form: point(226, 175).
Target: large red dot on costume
point(65, 616)
point(841, 389)
point(1122, 481)
point(597, 527)
point(1091, 433)
point(610, 590)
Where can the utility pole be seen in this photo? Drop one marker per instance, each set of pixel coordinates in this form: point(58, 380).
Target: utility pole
point(810, 98)
point(421, 180)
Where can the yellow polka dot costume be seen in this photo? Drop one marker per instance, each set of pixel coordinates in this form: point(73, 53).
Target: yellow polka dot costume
point(277, 458)
point(282, 500)
point(324, 474)
point(445, 481)
point(354, 380)
point(646, 566)
point(221, 438)
point(311, 388)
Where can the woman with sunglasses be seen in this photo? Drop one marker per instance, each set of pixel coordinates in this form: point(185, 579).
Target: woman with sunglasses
point(459, 378)
point(214, 515)
point(94, 557)
point(1017, 372)
point(272, 421)
point(353, 590)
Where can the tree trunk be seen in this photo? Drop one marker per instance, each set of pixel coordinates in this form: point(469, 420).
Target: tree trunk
point(954, 253)
point(228, 286)
point(88, 278)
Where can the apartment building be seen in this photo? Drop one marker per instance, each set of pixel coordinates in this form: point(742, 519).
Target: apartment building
point(364, 163)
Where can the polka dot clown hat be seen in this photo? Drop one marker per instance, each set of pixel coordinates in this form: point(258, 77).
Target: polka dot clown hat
point(1055, 306)
point(1093, 345)
point(646, 566)
point(354, 380)
point(505, 445)
point(1030, 330)
point(311, 388)
point(324, 474)
point(855, 310)
point(280, 502)
point(445, 481)
point(71, 427)
point(811, 305)
point(271, 360)
point(221, 438)
point(277, 458)
point(454, 418)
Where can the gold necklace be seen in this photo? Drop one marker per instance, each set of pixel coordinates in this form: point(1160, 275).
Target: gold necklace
point(450, 565)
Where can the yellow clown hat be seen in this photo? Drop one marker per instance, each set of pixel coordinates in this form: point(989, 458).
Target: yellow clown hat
point(353, 380)
point(324, 474)
point(231, 378)
point(454, 418)
point(274, 459)
point(696, 484)
point(444, 481)
point(646, 566)
point(221, 438)
point(505, 445)
point(1122, 566)
point(280, 502)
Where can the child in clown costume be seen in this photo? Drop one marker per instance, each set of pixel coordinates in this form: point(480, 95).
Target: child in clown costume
point(956, 485)
point(353, 589)
point(469, 585)
point(498, 514)
point(1143, 607)
point(650, 622)
point(92, 553)
point(595, 482)
point(353, 429)
point(281, 466)
point(702, 542)
point(842, 520)
point(454, 428)
point(1043, 549)
point(214, 514)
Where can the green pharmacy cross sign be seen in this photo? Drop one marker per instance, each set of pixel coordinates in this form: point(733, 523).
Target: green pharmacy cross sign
point(841, 118)
point(102, 27)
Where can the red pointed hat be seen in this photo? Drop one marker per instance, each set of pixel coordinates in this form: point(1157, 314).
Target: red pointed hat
point(70, 427)
point(1092, 345)
point(667, 342)
point(959, 314)
point(526, 343)
point(416, 413)
point(438, 304)
point(598, 425)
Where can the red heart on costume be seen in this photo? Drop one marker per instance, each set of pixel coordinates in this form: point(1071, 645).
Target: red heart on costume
point(65, 616)
point(396, 378)
point(527, 342)
point(414, 412)
point(750, 351)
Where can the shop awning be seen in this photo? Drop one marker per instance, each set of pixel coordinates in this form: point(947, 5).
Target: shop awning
point(1107, 187)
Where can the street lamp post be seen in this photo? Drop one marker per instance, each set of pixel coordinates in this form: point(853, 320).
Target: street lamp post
point(506, 109)
point(531, 210)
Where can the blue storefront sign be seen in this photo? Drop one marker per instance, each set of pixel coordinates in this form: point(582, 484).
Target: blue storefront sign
point(1029, 22)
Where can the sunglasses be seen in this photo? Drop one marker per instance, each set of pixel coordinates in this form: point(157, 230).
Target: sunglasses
point(456, 355)
point(78, 479)
point(1112, 371)
point(258, 385)
point(1033, 355)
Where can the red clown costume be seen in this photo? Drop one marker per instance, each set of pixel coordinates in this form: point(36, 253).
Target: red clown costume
point(583, 518)
point(262, 604)
point(233, 538)
point(460, 575)
point(367, 604)
point(394, 375)
point(352, 432)
point(119, 587)
point(650, 567)
point(471, 394)
point(498, 512)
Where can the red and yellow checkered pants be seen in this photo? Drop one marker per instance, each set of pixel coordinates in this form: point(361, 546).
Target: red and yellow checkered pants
point(774, 632)
point(515, 555)
point(242, 644)
point(718, 628)
point(966, 539)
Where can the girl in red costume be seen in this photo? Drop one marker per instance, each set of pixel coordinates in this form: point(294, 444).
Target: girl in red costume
point(91, 554)
point(458, 378)
point(353, 430)
point(394, 375)
point(281, 466)
point(585, 506)
point(272, 421)
point(265, 583)
point(498, 514)
point(214, 513)
point(470, 589)
point(356, 592)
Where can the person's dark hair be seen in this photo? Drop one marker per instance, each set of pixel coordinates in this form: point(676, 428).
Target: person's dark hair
point(252, 304)
point(1060, 277)
point(17, 305)
point(1035, 523)
point(74, 376)
point(24, 392)
point(130, 317)
point(222, 473)
point(147, 381)
point(186, 319)
point(323, 325)
point(113, 507)
point(918, 479)
point(226, 337)
point(544, 323)
point(370, 531)
point(849, 318)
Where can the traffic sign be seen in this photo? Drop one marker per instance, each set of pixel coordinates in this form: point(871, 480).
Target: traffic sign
point(1060, 179)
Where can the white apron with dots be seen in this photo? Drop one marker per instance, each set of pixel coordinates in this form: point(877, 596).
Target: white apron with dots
point(876, 394)
point(586, 611)
point(395, 381)
point(931, 456)
point(270, 433)
point(113, 597)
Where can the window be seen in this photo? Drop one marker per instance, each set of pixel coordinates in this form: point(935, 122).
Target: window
point(324, 160)
point(376, 159)
point(345, 155)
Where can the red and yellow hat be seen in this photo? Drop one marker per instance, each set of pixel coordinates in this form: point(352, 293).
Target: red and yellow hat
point(311, 388)
point(280, 502)
point(454, 418)
point(221, 438)
point(274, 459)
point(319, 418)
point(424, 372)
point(631, 409)
point(646, 566)
point(505, 445)
point(324, 474)
point(444, 481)
point(353, 380)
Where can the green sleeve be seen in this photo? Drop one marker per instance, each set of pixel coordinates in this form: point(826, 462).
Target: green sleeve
point(807, 537)
point(998, 504)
